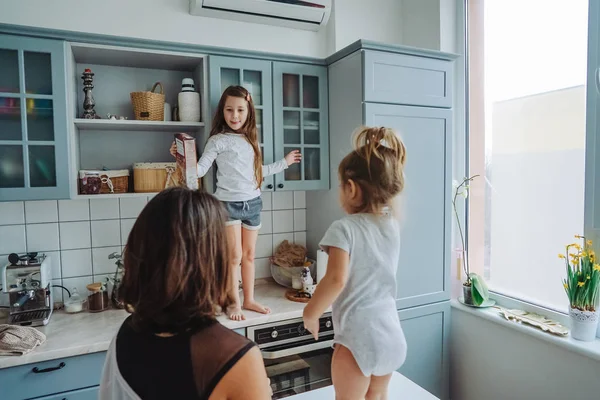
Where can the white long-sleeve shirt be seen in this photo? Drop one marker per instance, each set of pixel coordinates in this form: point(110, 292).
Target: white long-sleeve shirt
point(235, 166)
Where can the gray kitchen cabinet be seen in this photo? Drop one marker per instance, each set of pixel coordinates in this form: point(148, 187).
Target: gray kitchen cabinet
point(34, 156)
point(426, 207)
point(426, 329)
point(47, 378)
point(255, 76)
point(90, 393)
point(301, 123)
point(291, 104)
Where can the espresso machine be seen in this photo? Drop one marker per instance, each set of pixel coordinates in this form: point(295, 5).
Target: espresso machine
point(27, 280)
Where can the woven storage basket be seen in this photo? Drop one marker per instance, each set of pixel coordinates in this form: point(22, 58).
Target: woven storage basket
point(113, 181)
point(154, 177)
point(149, 106)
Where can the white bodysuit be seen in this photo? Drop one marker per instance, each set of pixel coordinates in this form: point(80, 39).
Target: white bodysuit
point(365, 319)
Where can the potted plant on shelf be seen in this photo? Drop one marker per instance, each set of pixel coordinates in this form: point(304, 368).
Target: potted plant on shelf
point(116, 280)
point(582, 286)
point(475, 291)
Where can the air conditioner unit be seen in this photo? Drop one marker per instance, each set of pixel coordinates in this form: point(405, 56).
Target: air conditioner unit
point(307, 14)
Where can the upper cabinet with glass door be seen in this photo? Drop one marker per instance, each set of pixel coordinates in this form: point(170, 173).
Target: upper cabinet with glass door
point(33, 120)
point(255, 76)
point(301, 123)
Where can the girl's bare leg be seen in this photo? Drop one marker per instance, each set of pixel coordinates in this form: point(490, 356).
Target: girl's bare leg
point(348, 381)
point(234, 236)
point(378, 389)
point(249, 238)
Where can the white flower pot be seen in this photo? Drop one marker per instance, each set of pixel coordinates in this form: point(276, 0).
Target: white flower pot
point(598, 331)
point(584, 324)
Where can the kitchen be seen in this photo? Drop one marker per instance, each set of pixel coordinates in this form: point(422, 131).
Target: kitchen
point(81, 232)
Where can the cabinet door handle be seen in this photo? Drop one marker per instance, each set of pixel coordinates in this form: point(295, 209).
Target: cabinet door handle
point(269, 186)
point(36, 370)
point(280, 186)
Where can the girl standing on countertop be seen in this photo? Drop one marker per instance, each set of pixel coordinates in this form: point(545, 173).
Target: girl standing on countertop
point(363, 249)
point(233, 144)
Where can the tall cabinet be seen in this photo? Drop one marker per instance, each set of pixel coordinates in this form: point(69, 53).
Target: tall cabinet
point(34, 159)
point(412, 93)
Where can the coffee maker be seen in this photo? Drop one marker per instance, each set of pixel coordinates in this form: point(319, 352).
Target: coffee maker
point(27, 280)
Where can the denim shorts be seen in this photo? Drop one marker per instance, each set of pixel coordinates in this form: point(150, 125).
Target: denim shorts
point(246, 213)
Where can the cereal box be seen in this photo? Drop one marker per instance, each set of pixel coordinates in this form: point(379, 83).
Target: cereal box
point(186, 160)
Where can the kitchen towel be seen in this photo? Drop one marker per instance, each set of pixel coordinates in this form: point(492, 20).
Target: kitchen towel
point(19, 340)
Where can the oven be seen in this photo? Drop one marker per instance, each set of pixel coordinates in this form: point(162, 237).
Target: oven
point(295, 362)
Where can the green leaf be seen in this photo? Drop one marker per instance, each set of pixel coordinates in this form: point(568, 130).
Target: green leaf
point(479, 289)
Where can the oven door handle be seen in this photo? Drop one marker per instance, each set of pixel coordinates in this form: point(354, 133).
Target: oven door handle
point(270, 355)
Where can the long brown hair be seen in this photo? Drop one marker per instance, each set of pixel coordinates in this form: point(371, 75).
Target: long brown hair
point(219, 125)
point(176, 261)
point(376, 165)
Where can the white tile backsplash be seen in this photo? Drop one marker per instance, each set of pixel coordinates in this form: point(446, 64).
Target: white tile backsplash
point(76, 262)
point(41, 211)
point(283, 221)
point(132, 206)
point(75, 235)
point(283, 200)
point(12, 239)
point(104, 209)
point(106, 233)
point(73, 210)
point(42, 237)
point(12, 213)
point(80, 234)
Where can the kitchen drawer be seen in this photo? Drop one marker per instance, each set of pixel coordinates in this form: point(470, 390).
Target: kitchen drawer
point(404, 79)
point(90, 393)
point(76, 372)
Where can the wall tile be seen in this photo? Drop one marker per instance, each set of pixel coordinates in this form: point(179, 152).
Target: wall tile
point(300, 238)
point(104, 209)
point(75, 235)
point(131, 206)
point(299, 220)
point(80, 283)
point(283, 200)
point(283, 221)
point(55, 262)
point(100, 262)
point(264, 246)
point(266, 219)
point(300, 199)
point(57, 293)
point(41, 211)
point(126, 225)
point(42, 237)
point(12, 239)
point(267, 198)
point(12, 213)
point(106, 233)
point(262, 268)
point(73, 210)
point(76, 263)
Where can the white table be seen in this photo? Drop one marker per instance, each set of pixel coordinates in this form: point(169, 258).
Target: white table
point(400, 388)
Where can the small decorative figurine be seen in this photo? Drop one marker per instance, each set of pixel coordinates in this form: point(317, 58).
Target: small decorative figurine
point(115, 117)
point(88, 102)
point(307, 281)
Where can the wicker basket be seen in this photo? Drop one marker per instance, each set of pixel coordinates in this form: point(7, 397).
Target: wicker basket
point(149, 106)
point(153, 177)
point(113, 181)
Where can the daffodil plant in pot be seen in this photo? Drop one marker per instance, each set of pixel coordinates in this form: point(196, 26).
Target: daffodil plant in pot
point(475, 291)
point(582, 286)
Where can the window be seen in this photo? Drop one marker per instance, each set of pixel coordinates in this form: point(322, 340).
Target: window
point(527, 68)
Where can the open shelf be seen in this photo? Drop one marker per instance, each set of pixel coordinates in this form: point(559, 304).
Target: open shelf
point(135, 125)
point(111, 195)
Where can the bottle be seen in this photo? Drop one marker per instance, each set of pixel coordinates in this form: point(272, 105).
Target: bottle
point(74, 304)
point(188, 102)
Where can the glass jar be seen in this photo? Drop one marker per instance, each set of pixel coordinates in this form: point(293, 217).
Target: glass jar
point(74, 304)
point(97, 297)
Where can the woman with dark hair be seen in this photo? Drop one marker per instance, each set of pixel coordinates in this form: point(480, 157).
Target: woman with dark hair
point(176, 274)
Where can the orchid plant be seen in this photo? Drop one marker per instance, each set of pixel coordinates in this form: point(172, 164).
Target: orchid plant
point(479, 290)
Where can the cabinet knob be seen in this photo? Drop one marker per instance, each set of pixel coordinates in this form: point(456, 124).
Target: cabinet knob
point(280, 186)
point(269, 186)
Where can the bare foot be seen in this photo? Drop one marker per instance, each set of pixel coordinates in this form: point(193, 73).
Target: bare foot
point(235, 314)
point(254, 306)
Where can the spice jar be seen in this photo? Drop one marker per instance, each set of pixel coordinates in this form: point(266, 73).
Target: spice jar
point(97, 297)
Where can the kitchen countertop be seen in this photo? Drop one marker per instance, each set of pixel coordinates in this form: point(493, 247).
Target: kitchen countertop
point(82, 333)
point(400, 388)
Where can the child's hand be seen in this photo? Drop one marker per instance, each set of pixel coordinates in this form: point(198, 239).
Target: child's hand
point(312, 325)
point(293, 157)
point(173, 149)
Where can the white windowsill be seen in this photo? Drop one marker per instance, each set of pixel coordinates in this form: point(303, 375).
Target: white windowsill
point(589, 349)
